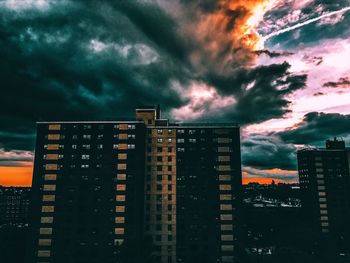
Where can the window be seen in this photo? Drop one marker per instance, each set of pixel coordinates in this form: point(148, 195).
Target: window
point(180, 149)
point(169, 187)
point(226, 227)
point(159, 168)
point(120, 220)
point(170, 149)
point(227, 248)
point(44, 242)
point(50, 177)
point(123, 136)
point(224, 168)
point(191, 131)
point(119, 231)
point(85, 157)
point(170, 140)
point(223, 149)
point(170, 131)
point(120, 209)
point(121, 187)
point(86, 136)
point(180, 131)
point(49, 187)
point(225, 187)
point(159, 131)
point(99, 146)
point(74, 146)
point(55, 127)
point(44, 253)
point(120, 198)
point(53, 137)
point(53, 146)
point(226, 237)
point(159, 187)
point(122, 156)
point(224, 140)
point(48, 208)
point(45, 231)
point(49, 198)
point(225, 177)
point(224, 158)
point(86, 146)
point(226, 217)
point(159, 158)
point(121, 177)
point(225, 197)
point(159, 149)
point(131, 146)
point(192, 140)
point(170, 168)
point(180, 140)
point(225, 207)
point(84, 166)
point(121, 166)
point(46, 220)
point(160, 140)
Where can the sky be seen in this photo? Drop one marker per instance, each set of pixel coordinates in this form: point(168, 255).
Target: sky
point(279, 68)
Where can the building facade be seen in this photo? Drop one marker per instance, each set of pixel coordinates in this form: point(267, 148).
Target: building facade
point(99, 186)
point(14, 205)
point(325, 188)
point(87, 191)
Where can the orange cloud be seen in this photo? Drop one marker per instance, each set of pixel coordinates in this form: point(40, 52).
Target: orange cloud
point(16, 175)
point(261, 180)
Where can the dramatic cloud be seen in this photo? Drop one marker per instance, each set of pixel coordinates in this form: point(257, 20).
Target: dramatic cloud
point(341, 83)
point(317, 127)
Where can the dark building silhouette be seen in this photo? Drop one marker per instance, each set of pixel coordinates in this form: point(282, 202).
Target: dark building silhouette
point(14, 205)
point(100, 188)
point(325, 191)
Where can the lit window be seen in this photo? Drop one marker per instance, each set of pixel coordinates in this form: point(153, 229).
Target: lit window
point(47, 208)
point(180, 131)
point(321, 193)
point(87, 136)
point(180, 149)
point(323, 205)
point(51, 157)
point(180, 140)
point(225, 177)
point(159, 140)
point(225, 207)
point(123, 136)
point(159, 131)
point(225, 197)
point(224, 168)
point(46, 220)
point(85, 157)
point(50, 177)
point(84, 166)
point(53, 146)
point(120, 198)
point(55, 127)
point(49, 198)
point(122, 156)
point(123, 126)
point(119, 231)
point(227, 237)
point(225, 187)
point(121, 177)
point(321, 187)
point(44, 253)
point(51, 167)
point(192, 140)
point(122, 146)
point(49, 187)
point(131, 146)
point(226, 217)
point(121, 187)
point(45, 231)
point(223, 149)
point(44, 242)
point(224, 140)
point(120, 209)
point(53, 137)
point(120, 220)
point(121, 166)
point(86, 146)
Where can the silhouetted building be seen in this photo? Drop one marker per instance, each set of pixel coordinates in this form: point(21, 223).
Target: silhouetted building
point(14, 205)
point(193, 186)
point(99, 187)
point(87, 191)
point(325, 190)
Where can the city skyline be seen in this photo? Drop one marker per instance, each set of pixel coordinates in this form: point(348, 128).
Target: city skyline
point(276, 67)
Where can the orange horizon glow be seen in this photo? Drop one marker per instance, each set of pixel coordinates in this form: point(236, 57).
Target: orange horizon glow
point(20, 176)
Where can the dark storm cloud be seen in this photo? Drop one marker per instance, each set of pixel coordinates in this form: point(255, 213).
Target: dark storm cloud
point(272, 54)
point(341, 83)
point(317, 127)
point(267, 152)
point(261, 93)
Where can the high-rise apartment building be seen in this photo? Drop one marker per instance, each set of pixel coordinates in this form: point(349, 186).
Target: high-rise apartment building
point(14, 205)
point(325, 188)
point(87, 191)
point(99, 185)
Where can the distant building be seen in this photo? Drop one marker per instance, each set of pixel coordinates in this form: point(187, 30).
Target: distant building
point(14, 205)
point(99, 186)
point(325, 188)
